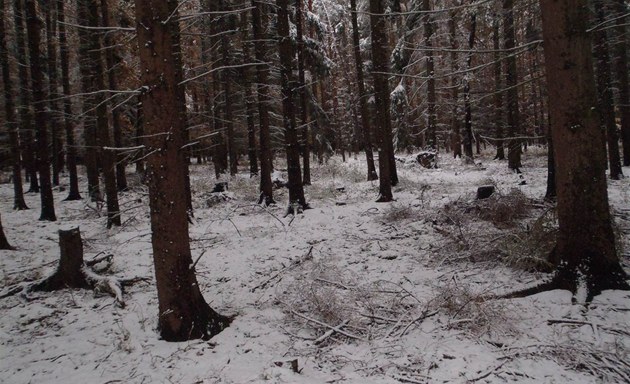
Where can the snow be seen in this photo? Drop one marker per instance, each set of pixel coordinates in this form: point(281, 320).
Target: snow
point(393, 275)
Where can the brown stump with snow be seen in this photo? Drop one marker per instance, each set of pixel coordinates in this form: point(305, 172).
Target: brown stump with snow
point(70, 272)
point(73, 272)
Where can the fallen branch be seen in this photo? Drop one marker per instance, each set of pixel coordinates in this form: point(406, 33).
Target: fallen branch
point(294, 263)
point(329, 333)
point(350, 335)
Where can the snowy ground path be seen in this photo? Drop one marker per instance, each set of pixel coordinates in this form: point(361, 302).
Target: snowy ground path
point(402, 282)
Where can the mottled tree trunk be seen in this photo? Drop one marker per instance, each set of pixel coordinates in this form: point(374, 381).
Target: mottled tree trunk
point(25, 108)
point(102, 123)
point(252, 150)
point(71, 152)
point(498, 95)
point(53, 99)
point(622, 72)
point(585, 250)
point(287, 83)
point(259, 26)
point(4, 243)
point(455, 119)
point(33, 26)
point(363, 97)
point(604, 90)
point(430, 74)
point(304, 118)
point(91, 152)
point(183, 312)
point(511, 81)
point(112, 61)
point(468, 137)
point(380, 59)
point(11, 123)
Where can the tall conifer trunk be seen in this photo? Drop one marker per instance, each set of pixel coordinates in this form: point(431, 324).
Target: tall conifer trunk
point(33, 26)
point(183, 312)
point(259, 26)
point(71, 152)
point(11, 123)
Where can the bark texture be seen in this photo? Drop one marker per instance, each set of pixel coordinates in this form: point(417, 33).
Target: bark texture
point(585, 250)
point(183, 312)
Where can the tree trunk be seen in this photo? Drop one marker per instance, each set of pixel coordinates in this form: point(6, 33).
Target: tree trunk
point(183, 312)
point(91, 158)
point(71, 157)
point(33, 25)
point(380, 61)
point(11, 123)
point(622, 73)
point(226, 77)
point(363, 105)
point(604, 90)
point(430, 74)
point(181, 103)
point(455, 119)
point(511, 81)
point(25, 108)
point(252, 150)
point(102, 124)
point(468, 138)
point(296, 189)
point(498, 95)
point(585, 249)
point(139, 127)
point(4, 243)
point(259, 26)
point(550, 193)
point(304, 118)
point(53, 76)
point(112, 61)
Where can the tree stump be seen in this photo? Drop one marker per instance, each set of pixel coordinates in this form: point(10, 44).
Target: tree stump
point(485, 191)
point(72, 272)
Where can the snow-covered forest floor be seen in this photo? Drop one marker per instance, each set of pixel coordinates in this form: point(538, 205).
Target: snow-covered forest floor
point(407, 285)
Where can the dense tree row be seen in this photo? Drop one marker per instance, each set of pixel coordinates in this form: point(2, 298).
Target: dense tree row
point(108, 83)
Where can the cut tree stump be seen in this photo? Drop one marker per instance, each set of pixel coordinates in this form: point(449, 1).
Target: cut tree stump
point(485, 191)
point(72, 272)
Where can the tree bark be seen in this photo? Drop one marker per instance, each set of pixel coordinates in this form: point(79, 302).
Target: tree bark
point(498, 95)
point(34, 25)
point(380, 62)
point(25, 109)
point(430, 73)
point(11, 123)
point(623, 77)
point(53, 84)
point(287, 83)
point(259, 26)
point(511, 81)
point(363, 105)
point(4, 243)
point(71, 152)
point(304, 116)
point(604, 90)
point(252, 150)
point(585, 248)
point(183, 312)
point(90, 133)
point(468, 137)
point(455, 119)
point(112, 61)
point(102, 123)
